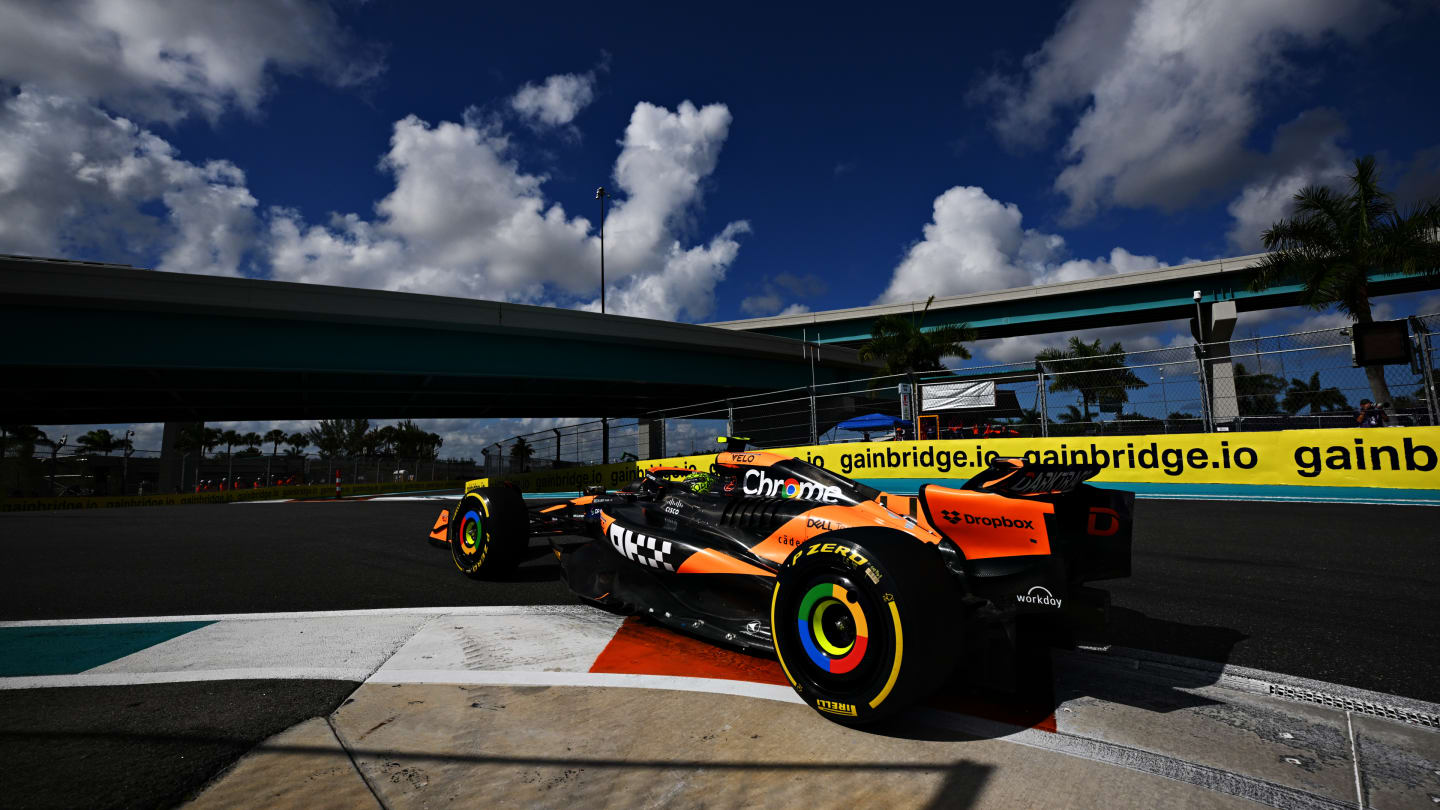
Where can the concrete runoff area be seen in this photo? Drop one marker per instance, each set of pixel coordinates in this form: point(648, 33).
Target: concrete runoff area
point(548, 706)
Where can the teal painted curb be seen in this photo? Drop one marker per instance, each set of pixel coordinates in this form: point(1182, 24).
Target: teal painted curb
point(72, 649)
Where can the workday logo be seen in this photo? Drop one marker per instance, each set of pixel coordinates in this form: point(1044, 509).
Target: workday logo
point(1038, 595)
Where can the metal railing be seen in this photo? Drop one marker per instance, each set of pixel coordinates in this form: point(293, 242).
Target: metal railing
point(1249, 383)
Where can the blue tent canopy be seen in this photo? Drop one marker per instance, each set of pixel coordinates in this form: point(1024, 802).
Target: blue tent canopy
point(873, 421)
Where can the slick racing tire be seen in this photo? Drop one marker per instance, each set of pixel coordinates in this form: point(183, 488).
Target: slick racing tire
point(489, 532)
point(865, 622)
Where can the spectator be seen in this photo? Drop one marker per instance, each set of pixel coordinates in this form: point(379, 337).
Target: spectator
point(1370, 416)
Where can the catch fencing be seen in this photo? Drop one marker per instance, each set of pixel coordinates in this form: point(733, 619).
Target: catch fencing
point(1289, 381)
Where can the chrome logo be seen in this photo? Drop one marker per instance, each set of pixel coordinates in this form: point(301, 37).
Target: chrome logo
point(790, 488)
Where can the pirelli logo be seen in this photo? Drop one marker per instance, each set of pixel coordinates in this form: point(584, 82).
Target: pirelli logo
point(835, 708)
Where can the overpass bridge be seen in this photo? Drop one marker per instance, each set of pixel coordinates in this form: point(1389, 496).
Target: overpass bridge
point(95, 343)
point(1147, 296)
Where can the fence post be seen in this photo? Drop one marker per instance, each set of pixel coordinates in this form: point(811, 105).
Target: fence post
point(1044, 402)
point(1204, 388)
point(814, 436)
point(729, 418)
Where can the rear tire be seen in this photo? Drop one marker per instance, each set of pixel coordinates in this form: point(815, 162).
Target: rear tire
point(489, 532)
point(865, 623)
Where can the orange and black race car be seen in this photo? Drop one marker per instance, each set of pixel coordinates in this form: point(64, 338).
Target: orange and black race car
point(866, 598)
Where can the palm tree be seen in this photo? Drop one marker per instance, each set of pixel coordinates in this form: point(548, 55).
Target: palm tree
point(98, 441)
point(1302, 394)
point(230, 438)
point(1256, 392)
point(905, 346)
point(521, 451)
point(1072, 414)
point(1335, 241)
point(273, 437)
point(1098, 375)
point(296, 444)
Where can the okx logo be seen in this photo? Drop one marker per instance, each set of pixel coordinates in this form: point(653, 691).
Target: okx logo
point(640, 548)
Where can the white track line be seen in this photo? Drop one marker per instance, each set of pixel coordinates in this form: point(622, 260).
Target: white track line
point(719, 686)
point(463, 610)
point(186, 676)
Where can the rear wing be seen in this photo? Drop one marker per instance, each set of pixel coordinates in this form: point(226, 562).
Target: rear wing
point(1091, 525)
point(1018, 478)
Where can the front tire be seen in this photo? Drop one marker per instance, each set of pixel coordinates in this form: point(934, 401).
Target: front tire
point(865, 623)
point(489, 532)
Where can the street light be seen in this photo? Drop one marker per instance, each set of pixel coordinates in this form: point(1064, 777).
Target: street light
point(55, 451)
point(127, 449)
point(600, 194)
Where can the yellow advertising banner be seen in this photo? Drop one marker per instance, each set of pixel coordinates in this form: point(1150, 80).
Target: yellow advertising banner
point(1392, 458)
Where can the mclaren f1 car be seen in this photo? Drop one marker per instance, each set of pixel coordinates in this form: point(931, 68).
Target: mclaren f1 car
point(865, 597)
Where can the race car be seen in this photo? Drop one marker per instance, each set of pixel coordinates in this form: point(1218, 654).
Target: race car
point(865, 597)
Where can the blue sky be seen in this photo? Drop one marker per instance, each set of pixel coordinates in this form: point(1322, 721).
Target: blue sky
point(761, 160)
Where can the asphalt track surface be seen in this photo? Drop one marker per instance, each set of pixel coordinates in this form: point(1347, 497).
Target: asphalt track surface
point(1343, 593)
point(1335, 592)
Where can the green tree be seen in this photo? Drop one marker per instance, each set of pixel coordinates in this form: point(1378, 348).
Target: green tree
point(1257, 392)
point(98, 441)
point(904, 346)
point(296, 444)
point(1334, 241)
point(520, 452)
point(230, 438)
point(331, 437)
point(1317, 398)
point(1098, 375)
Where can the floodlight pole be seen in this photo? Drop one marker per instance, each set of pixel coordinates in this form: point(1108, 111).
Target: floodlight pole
point(600, 194)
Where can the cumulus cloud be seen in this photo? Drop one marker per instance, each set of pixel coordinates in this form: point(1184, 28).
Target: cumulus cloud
point(1168, 90)
point(1136, 338)
point(556, 101)
point(974, 243)
point(162, 60)
point(771, 299)
point(73, 177)
point(465, 219)
point(1306, 152)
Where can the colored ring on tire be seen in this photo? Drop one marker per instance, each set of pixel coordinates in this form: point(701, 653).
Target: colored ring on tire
point(812, 635)
point(470, 531)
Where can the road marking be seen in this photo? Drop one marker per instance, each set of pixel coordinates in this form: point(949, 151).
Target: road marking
point(472, 610)
point(187, 676)
point(718, 686)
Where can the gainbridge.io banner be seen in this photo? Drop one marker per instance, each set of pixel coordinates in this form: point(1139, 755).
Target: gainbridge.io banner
point(1395, 458)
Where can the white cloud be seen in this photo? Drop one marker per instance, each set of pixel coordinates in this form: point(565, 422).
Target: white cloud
point(557, 101)
point(1306, 152)
point(974, 243)
point(1136, 338)
point(1169, 90)
point(771, 299)
point(74, 177)
point(464, 219)
point(162, 60)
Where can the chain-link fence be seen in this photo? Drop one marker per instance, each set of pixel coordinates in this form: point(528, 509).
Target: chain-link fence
point(1273, 382)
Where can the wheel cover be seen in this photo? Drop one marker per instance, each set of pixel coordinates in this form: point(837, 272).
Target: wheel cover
point(470, 531)
point(824, 632)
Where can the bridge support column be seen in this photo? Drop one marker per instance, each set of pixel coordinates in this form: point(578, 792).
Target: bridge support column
point(1214, 331)
point(650, 438)
point(171, 461)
